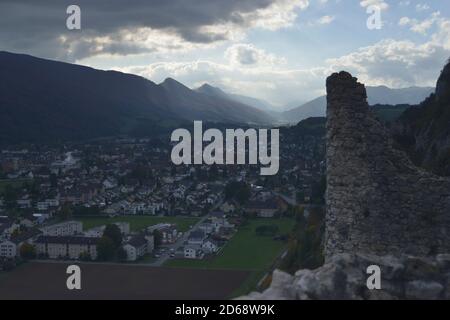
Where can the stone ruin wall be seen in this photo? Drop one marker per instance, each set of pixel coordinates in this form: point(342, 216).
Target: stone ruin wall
point(381, 210)
point(378, 202)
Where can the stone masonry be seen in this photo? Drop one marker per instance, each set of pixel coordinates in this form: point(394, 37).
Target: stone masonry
point(381, 210)
point(378, 202)
point(344, 277)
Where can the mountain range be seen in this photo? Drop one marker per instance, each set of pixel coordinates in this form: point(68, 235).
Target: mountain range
point(379, 96)
point(44, 100)
point(253, 102)
point(376, 95)
point(49, 100)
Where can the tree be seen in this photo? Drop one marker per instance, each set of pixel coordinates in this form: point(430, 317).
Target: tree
point(213, 172)
point(318, 190)
point(11, 196)
point(305, 248)
point(122, 254)
point(86, 211)
point(225, 173)
point(53, 180)
point(105, 249)
point(158, 236)
point(85, 256)
point(113, 232)
point(300, 196)
point(238, 190)
point(66, 212)
point(15, 232)
point(27, 251)
point(33, 189)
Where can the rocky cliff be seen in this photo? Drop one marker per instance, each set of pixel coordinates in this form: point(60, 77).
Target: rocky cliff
point(423, 131)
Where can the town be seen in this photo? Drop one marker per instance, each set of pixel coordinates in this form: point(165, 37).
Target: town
point(214, 152)
point(123, 200)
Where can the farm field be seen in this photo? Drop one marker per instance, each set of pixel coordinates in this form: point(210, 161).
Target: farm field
point(139, 222)
point(37, 280)
point(246, 251)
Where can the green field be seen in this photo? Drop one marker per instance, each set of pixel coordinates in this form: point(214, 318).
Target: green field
point(140, 222)
point(246, 250)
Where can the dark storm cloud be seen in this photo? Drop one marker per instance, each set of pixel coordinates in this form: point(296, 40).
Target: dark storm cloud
point(37, 26)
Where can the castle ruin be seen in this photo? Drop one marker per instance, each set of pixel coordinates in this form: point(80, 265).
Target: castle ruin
point(378, 202)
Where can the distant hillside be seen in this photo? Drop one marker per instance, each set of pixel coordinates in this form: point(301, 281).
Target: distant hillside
point(376, 95)
point(424, 130)
point(48, 100)
point(389, 113)
point(315, 126)
point(307, 127)
point(313, 108)
point(253, 102)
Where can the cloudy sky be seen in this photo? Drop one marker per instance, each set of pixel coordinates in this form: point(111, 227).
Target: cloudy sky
point(277, 50)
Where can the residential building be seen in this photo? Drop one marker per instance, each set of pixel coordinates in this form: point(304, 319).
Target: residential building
point(228, 207)
point(168, 231)
point(64, 247)
point(7, 227)
point(138, 246)
point(28, 236)
point(193, 252)
point(8, 249)
point(68, 228)
point(210, 246)
point(196, 237)
point(263, 209)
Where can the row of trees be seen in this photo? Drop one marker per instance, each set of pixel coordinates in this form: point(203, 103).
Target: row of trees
point(109, 247)
point(305, 247)
point(239, 191)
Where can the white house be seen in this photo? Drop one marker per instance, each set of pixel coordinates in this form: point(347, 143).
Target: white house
point(42, 206)
point(8, 249)
point(193, 252)
point(210, 246)
point(169, 232)
point(227, 207)
point(24, 203)
point(135, 208)
point(52, 202)
point(138, 246)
